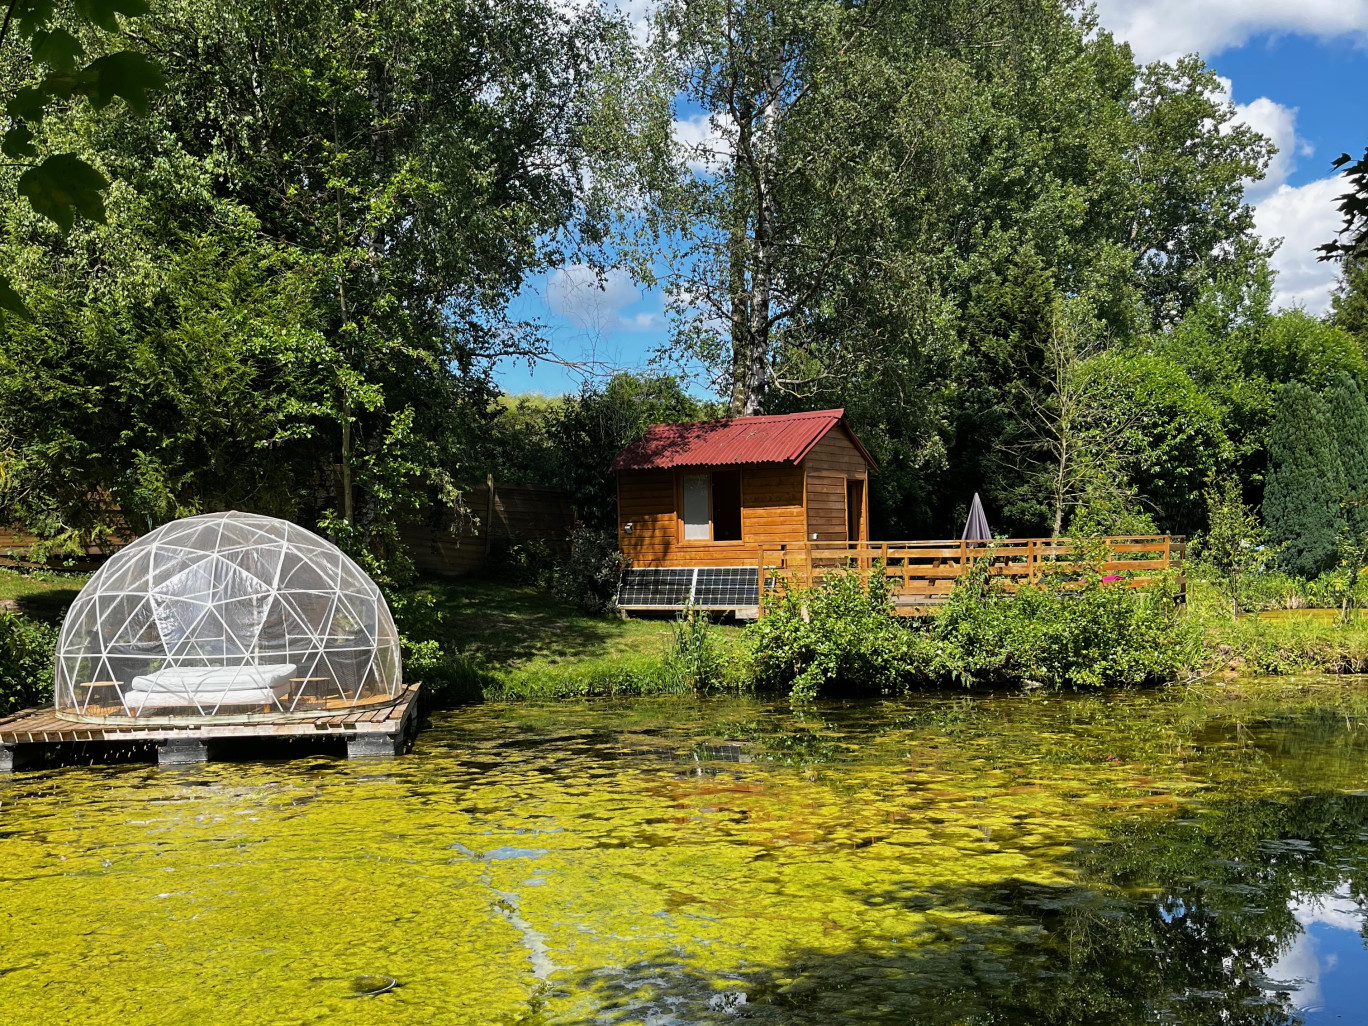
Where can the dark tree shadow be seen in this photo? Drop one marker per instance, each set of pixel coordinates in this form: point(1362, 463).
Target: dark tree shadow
point(513, 623)
point(49, 606)
point(1169, 922)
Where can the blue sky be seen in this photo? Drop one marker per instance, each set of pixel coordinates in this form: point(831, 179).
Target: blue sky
point(1297, 70)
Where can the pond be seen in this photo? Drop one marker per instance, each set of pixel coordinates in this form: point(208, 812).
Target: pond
point(1183, 856)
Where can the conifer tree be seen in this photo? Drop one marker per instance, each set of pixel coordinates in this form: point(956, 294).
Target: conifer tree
point(1349, 420)
point(1305, 484)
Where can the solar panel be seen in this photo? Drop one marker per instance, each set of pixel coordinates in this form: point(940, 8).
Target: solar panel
point(706, 587)
point(726, 587)
point(655, 587)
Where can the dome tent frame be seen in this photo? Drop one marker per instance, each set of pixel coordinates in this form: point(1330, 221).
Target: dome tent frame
point(226, 617)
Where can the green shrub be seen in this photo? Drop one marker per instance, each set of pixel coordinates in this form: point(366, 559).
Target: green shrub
point(695, 657)
point(27, 649)
point(1271, 589)
point(449, 678)
point(1085, 635)
point(838, 639)
point(589, 576)
point(842, 638)
point(526, 562)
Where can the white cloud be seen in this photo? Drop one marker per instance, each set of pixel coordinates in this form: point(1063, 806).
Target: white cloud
point(1165, 29)
point(1300, 967)
point(577, 293)
point(1304, 217)
point(706, 140)
point(1278, 123)
point(1337, 909)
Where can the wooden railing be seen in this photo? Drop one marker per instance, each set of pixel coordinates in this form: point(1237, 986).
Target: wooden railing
point(923, 573)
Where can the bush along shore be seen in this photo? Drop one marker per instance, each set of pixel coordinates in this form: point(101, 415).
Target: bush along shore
point(495, 641)
point(842, 639)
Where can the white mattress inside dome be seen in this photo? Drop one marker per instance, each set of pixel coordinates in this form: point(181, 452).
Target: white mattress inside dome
point(210, 687)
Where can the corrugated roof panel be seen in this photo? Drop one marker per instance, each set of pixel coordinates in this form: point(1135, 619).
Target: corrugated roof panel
point(785, 438)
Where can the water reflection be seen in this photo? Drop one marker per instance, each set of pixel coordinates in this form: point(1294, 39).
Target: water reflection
point(1184, 858)
point(1323, 969)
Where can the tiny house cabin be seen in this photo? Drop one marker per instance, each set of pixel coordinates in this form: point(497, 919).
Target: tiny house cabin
point(698, 502)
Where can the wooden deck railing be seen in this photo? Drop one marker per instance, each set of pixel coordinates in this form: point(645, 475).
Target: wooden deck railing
point(923, 573)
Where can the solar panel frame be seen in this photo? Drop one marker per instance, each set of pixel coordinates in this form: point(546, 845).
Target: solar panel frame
point(703, 587)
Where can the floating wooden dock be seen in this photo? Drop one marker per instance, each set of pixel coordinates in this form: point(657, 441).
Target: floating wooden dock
point(375, 730)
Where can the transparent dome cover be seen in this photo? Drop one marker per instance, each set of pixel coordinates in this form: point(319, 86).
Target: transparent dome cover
point(226, 616)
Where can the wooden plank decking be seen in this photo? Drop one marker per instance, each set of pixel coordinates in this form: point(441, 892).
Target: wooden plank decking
point(370, 730)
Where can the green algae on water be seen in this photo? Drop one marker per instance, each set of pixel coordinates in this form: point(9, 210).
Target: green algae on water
point(1015, 860)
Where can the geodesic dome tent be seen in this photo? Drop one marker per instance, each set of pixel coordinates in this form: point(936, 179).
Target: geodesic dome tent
point(226, 616)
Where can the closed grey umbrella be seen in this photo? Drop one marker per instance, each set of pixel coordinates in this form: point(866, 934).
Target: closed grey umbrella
point(976, 527)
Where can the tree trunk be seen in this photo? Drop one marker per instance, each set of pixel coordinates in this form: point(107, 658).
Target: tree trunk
point(348, 507)
point(750, 359)
point(1061, 485)
point(740, 302)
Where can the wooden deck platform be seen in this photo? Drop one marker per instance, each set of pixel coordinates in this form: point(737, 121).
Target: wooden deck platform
point(377, 730)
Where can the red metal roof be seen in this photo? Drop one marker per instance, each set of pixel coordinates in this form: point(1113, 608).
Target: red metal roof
point(709, 443)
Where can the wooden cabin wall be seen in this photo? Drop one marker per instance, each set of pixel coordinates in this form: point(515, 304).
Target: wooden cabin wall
point(826, 506)
point(771, 505)
point(646, 500)
point(831, 462)
point(772, 513)
point(836, 454)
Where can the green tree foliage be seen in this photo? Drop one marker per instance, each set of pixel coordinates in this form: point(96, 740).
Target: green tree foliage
point(1233, 544)
point(57, 68)
point(1239, 356)
point(898, 196)
point(1352, 239)
point(1169, 436)
point(1305, 482)
point(1350, 301)
point(897, 169)
point(1348, 414)
point(297, 309)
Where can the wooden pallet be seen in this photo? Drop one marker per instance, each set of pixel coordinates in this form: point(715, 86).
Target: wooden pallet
point(370, 730)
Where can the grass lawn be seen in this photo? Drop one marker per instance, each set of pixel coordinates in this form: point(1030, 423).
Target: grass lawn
point(41, 594)
point(511, 641)
point(526, 643)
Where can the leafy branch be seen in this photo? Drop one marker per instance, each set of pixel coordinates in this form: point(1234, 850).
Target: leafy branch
point(1352, 241)
point(63, 184)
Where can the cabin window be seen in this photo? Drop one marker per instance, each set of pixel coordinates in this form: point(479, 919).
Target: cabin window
point(726, 505)
point(696, 507)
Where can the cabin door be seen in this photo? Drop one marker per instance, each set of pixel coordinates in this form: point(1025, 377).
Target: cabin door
point(855, 528)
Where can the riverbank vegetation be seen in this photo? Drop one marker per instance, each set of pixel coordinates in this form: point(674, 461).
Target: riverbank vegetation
point(1021, 260)
point(496, 641)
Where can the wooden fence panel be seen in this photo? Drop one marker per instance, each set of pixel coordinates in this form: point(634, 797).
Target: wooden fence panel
point(455, 544)
point(443, 544)
point(923, 574)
